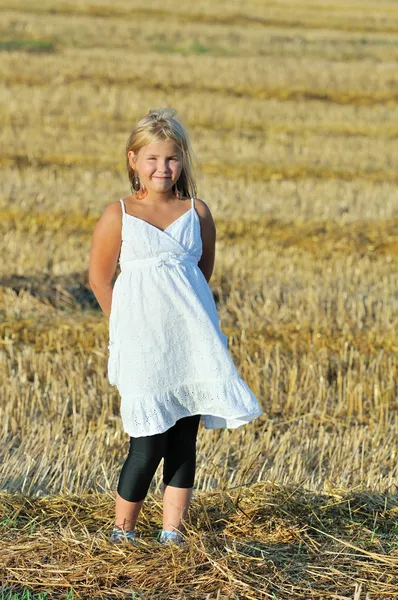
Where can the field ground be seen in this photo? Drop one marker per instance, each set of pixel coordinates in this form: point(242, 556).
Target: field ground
point(292, 109)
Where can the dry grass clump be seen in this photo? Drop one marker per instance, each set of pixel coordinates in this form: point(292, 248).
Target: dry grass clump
point(380, 17)
point(86, 27)
point(262, 541)
point(282, 78)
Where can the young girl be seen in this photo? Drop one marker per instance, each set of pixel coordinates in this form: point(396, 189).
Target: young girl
point(168, 357)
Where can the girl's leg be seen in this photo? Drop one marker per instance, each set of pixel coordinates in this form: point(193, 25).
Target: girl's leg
point(179, 471)
point(135, 478)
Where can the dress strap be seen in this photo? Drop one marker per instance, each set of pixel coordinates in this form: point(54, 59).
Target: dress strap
point(192, 202)
point(123, 207)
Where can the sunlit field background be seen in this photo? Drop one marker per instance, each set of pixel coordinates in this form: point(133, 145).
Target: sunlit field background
point(292, 110)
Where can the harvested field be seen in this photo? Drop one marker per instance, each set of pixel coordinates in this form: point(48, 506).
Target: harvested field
point(292, 110)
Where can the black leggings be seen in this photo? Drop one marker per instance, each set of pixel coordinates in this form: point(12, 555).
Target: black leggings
point(177, 446)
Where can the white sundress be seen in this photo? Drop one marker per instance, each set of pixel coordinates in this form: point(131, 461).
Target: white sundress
point(168, 357)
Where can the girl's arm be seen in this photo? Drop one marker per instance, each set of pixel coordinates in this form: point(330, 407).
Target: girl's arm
point(104, 254)
point(208, 234)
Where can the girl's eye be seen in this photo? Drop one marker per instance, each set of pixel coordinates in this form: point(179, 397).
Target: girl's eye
point(154, 158)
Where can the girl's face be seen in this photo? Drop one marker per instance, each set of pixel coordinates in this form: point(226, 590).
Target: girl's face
point(158, 165)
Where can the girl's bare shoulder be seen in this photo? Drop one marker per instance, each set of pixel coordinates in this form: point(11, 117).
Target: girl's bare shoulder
point(203, 210)
point(112, 211)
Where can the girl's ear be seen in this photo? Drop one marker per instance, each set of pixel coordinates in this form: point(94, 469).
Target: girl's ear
point(132, 158)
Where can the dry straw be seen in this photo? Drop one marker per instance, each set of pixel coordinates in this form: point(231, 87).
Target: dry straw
point(262, 541)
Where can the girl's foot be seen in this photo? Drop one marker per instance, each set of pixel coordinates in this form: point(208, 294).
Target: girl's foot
point(170, 536)
point(119, 536)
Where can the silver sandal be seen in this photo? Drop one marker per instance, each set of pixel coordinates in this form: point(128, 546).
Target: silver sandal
point(119, 536)
point(170, 536)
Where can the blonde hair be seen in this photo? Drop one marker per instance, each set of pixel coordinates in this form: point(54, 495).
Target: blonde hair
point(159, 125)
